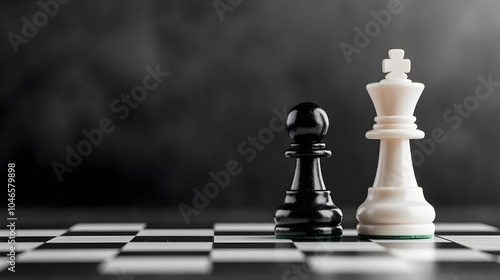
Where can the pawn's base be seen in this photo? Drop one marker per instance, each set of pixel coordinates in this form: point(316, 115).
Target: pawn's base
point(311, 232)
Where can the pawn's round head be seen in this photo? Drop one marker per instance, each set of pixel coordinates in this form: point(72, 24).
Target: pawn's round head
point(307, 122)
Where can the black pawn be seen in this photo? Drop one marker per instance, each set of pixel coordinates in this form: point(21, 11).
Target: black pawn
point(308, 211)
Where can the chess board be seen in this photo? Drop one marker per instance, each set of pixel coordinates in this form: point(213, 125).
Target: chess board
point(240, 251)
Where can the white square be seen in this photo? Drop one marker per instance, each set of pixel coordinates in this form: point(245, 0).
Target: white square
point(349, 232)
point(478, 242)
point(249, 239)
point(3, 263)
point(257, 255)
point(357, 264)
point(339, 247)
point(250, 227)
point(33, 232)
point(20, 246)
point(464, 227)
point(176, 232)
point(67, 255)
point(441, 255)
point(168, 247)
point(108, 227)
point(132, 265)
point(91, 239)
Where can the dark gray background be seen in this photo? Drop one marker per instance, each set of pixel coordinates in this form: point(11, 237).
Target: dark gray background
point(225, 79)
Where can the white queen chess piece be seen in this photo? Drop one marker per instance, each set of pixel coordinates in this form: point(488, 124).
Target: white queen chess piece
point(395, 206)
